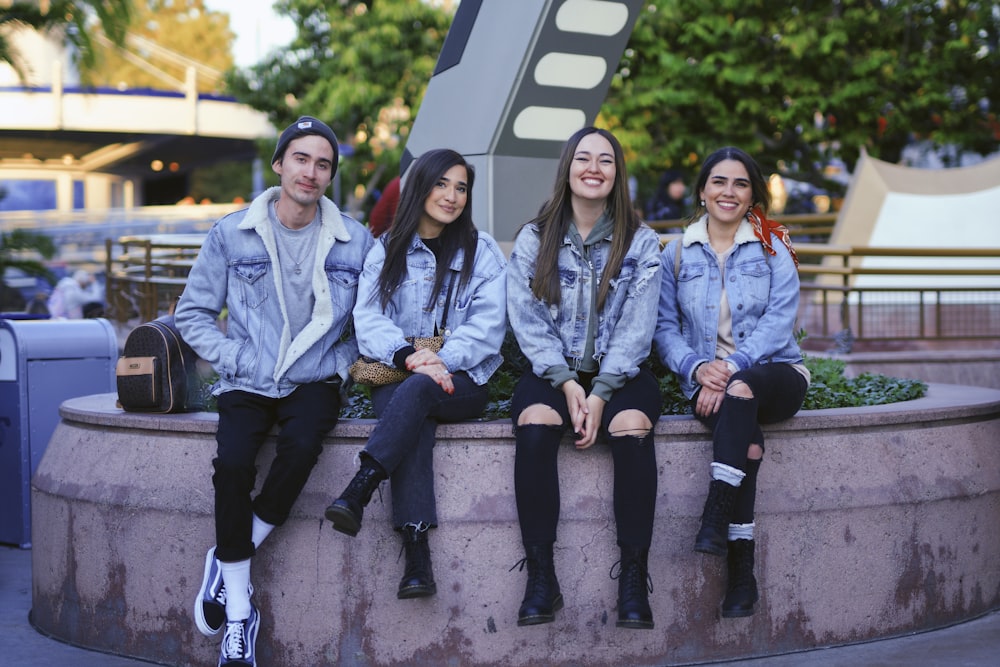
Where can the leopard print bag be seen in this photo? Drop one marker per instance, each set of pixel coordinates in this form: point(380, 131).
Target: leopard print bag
point(375, 374)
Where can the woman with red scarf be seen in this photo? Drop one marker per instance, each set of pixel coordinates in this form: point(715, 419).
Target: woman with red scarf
point(725, 326)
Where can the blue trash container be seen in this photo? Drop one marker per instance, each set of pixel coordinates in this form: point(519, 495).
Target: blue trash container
point(42, 364)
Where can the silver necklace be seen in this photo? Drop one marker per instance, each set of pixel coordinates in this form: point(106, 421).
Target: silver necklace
point(298, 262)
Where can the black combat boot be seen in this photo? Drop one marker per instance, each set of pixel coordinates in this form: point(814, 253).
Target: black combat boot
point(418, 577)
point(741, 590)
point(346, 511)
point(634, 586)
point(715, 518)
point(542, 598)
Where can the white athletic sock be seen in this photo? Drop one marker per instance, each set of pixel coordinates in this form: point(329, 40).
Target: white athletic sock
point(728, 474)
point(261, 529)
point(740, 531)
point(236, 576)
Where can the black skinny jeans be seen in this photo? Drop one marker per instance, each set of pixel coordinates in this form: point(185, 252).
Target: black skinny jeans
point(778, 391)
point(536, 474)
point(303, 417)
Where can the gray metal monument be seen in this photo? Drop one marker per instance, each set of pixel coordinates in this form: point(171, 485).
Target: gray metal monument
point(514, 80)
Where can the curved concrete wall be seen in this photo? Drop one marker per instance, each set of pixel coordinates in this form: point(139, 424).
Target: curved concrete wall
point(871, 522)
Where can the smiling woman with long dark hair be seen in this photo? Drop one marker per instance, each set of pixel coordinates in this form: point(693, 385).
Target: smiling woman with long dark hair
point(432, 274)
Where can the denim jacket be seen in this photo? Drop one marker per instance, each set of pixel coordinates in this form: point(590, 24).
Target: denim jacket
point(552, 335)
point(476, 322)
point(237, 269)
point(763, 294)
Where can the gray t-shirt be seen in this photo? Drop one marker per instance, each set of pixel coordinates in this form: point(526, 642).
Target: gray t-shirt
point(296, 255)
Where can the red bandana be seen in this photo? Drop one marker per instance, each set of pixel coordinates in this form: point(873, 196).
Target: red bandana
point(763, 228)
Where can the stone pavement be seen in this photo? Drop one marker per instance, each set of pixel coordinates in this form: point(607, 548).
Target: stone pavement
point(975, 643)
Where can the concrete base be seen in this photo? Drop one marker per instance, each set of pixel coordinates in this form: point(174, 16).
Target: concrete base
point(871, 522)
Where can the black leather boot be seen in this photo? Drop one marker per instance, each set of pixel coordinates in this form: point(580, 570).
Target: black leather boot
point(741, 590)
point(715, 518)
point(542, 598)
point(634, 586)
point(418, 576)
point(346, 511)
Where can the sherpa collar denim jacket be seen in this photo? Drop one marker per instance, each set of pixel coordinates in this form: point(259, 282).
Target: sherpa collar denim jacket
point(477, 319)
point(763, 293)
point(552, 335)
point(237, 269)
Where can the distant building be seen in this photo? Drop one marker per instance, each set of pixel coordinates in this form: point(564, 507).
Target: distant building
point(65, 148)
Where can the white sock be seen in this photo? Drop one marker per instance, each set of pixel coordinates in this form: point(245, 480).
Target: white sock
point(740, 531)
point(728, 474)
point(236, 576)
point(261, 529)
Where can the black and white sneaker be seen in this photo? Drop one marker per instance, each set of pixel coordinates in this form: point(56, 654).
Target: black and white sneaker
point(210, 605)
point(239, 642)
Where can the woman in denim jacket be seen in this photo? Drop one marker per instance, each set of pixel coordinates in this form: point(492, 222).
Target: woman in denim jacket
point(726, 327)
point(431, 252)
point(582, 288)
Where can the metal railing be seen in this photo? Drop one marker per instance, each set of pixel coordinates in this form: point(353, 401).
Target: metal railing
point(937, 295)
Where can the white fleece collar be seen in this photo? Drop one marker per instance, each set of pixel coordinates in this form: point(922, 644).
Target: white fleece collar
point(697, 232)
point(332, 230)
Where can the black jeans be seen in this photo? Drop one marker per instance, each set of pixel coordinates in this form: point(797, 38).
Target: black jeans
point(778, 391)
point(403, 440)
point(303, 418)
point(536, 475)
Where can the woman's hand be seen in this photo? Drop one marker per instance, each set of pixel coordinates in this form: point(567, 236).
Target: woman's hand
point(713, 375)
point(591, 422)
point(576, 403)
point(427, 362)
point(422, 358)
point(709, 401)
point(437, 372)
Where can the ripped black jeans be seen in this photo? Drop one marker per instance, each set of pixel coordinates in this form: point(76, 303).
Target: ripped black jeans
point(536, 474)
point(778, 391)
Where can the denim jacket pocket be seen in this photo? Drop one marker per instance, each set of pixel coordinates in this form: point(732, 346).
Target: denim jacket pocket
point(689, 282)
point(756, 280)
point(343, 284)
point(252, 288)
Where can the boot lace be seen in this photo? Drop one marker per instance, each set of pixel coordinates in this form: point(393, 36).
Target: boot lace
point(632, 574)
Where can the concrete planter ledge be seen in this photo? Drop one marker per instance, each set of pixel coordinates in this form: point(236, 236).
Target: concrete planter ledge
point(871, 522)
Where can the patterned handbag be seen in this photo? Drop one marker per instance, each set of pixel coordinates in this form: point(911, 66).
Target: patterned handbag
point(375, 374)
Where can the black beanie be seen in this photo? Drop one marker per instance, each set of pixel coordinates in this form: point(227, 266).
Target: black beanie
point(306, 125)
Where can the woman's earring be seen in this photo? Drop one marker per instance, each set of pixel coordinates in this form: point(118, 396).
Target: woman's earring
point(702, 203)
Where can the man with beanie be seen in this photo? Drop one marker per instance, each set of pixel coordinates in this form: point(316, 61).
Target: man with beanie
point(286, 269)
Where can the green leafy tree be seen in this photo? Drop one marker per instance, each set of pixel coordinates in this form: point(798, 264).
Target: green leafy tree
point(797, 82)
point(166, 38)
point(362, 67)
point(76, 21)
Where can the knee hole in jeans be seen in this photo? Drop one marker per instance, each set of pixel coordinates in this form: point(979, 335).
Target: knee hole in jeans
point(739, 389)
point(540, 414)
point(630, 422)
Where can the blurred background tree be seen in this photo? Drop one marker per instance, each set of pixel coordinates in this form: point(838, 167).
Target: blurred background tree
point(362, 67)
point(75, 20)
point(165, 38)
point(800, 83)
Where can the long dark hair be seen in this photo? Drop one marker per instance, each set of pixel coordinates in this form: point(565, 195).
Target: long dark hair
point(462, 233)
point(554, 218)
point(758, 184)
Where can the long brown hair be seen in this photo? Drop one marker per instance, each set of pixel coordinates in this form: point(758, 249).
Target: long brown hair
point(462, 233)
point(554, 219)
